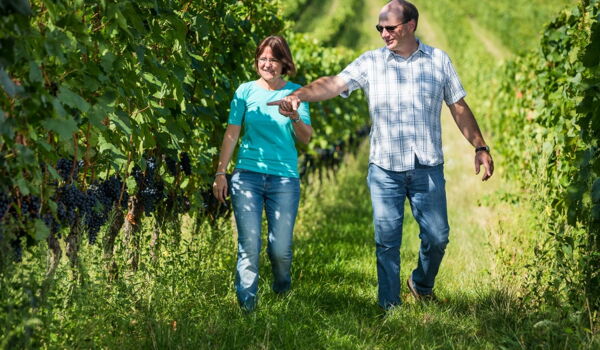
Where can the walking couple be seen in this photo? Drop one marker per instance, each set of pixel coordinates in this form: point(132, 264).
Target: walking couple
point(405, 83)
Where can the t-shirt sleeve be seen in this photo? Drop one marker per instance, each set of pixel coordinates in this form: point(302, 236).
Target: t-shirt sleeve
point(355, 75)
point(453, 89)
point(304, 112)
point(237, 106)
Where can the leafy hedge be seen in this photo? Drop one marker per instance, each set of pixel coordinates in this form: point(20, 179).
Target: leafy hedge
point(128, 98)
point(550, 128)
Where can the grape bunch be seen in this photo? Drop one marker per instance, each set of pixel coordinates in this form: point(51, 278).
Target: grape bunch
point(69, 199)
point(186, 165)
point(95, 211)
point(172, 166)
point(183, 204)
point(4, 204)
point(112, 188)
point(17, 246)
point(66, 167)
point(17, 250)
point(178, 203)
point(30, 206)
point(100, 199)
point(150, 189)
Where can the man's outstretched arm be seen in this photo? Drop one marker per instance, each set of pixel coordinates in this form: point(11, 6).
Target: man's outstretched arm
point(465, 120)
point(321, 89)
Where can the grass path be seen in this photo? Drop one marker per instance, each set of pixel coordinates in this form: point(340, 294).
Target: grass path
point(492, 44)
point(332, 304)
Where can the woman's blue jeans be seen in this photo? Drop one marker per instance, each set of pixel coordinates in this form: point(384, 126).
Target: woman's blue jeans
point(425, 188)
point(279, 196)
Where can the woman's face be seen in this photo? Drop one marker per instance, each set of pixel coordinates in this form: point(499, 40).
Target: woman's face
point(269, 67)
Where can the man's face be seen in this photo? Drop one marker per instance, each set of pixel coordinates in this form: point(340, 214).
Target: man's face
point(395, 31)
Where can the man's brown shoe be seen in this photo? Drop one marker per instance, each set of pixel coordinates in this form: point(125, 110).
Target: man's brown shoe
point(415, 293)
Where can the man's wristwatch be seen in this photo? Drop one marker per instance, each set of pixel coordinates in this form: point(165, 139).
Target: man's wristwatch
point(295, 120)
point(483, 148)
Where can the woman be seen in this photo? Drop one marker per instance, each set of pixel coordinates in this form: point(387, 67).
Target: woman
point(266, 173)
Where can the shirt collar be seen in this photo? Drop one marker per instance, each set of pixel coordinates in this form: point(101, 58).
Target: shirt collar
point(426, 49)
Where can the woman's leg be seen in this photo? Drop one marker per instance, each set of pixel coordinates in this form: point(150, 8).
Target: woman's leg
point(247, 199)
point(281, 199)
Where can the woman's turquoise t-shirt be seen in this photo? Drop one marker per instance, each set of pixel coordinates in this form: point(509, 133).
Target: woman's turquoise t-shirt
point(268, 145)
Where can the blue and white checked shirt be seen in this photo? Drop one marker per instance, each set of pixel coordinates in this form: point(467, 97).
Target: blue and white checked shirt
point(405, 101)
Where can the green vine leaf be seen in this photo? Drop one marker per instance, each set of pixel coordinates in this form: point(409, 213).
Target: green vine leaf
point(72, 99)
point(41, 230)
point(8, 85)
point(65, 128)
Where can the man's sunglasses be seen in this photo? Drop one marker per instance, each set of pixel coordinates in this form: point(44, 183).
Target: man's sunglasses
point(380, 28)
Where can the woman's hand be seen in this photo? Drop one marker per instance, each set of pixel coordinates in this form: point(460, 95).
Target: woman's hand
point(220, 188)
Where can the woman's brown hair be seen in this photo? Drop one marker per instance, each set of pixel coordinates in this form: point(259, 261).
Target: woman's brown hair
point(281, 51)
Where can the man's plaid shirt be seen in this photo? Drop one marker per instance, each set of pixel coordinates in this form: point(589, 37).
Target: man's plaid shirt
point(405, 101)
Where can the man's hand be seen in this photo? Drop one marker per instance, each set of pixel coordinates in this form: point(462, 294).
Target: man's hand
point(483, 157)
point(287, 105)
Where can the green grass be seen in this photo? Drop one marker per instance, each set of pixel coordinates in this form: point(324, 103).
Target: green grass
point(187, 301)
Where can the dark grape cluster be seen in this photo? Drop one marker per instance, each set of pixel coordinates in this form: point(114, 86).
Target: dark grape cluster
point(186, 164)
point(69, 200)
point(172, 166)
point(15, 211)
point(67, 168)
point(17, 246)
point(4, 204)
point(183, 204)
point(95, 212)
point(112, 188)
point(100, 200)
point(150, 189)
point(17, 250)
point(178, 204)
point(30, 206)
point(93, 205)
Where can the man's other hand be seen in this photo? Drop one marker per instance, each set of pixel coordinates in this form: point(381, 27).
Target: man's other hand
point(484, 158)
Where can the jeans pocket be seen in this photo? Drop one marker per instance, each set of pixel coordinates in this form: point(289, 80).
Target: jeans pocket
point(289, 184)
point(234, 180)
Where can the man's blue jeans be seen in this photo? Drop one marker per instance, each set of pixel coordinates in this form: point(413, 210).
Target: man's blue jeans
point(425, 188)
point(250, 193)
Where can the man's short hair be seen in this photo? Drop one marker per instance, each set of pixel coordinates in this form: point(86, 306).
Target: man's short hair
point(409, 11)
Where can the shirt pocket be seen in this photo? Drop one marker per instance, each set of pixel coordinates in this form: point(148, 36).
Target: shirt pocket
point(431, 91)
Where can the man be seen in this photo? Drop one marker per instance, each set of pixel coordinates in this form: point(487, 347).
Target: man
point(405, 83)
